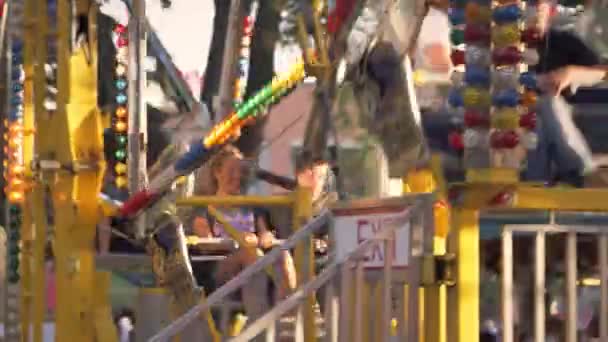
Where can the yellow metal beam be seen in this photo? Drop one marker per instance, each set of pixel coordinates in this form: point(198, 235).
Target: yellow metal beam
point(235, 201)
point(77, 137)
point(463, 298)
point(27, 228)
point(304, 258)
point(41, 144)
point(506, 196)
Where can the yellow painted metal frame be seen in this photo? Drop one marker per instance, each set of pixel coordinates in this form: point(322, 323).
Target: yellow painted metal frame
point(496, 189)
point(71, 136)
point(301, 204)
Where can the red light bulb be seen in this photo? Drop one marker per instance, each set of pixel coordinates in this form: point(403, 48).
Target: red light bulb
point(122, 42)
point(528, 121)
point(530, 36)
point(502, 198)
point(477, 34)
point(120, 29)
point(456, 140)
point(507, 56)
point(458, 57)
point(474, 118)
point(504, 139)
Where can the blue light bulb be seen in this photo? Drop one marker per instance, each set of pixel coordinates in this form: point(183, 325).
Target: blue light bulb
point(121, 99)
point(528, 80)
point(506, 98)
point(456, 16)
point(506, 14)
point(476, 76)
point(455, 98)
point(121, 84)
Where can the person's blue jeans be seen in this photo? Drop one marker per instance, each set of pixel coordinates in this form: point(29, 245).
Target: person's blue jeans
point(561, 154)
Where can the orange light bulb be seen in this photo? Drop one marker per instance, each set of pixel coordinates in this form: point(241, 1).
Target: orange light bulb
point(121, 112)
point(529, 99)
point(120, 126)
point(16, 170)
point(16, 197)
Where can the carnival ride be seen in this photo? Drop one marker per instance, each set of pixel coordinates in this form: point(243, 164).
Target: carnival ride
point(55, 167)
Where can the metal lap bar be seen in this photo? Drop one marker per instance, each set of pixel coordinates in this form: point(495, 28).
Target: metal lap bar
point(181, 87)
point(238, 237)
point(241, 279)
point(236, 201)
point(540, 232)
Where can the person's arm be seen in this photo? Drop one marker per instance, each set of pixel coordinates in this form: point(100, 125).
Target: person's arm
point(573, 76)
point(201, 226)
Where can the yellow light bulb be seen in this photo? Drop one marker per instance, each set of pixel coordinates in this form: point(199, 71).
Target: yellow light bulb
point(121, 69)
point(121, 182)
point(120, 168)
point(506, 118)
point(473, 97)
point(506, 35)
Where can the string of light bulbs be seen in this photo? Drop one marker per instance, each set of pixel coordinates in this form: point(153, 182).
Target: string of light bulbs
point(496, 97)
point(244, 60)
point(249, 110)
point(120, 117)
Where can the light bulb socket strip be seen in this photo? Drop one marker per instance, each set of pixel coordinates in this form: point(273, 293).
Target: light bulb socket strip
point(120, 117)
point(14, 166)
point(244, 60)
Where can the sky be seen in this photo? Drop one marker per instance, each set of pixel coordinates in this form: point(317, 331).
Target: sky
point(185, 29)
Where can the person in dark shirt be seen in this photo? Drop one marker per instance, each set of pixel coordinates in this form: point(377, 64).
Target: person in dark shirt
point(562, 153)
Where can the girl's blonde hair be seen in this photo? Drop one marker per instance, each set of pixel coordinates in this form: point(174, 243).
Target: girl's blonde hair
point(205, 181)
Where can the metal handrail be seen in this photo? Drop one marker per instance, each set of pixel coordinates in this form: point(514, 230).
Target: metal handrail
point(307, 289)
point(295, 299)
point(241, 279)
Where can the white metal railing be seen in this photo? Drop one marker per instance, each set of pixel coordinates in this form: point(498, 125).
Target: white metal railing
point(571, 318)
point(343, 270)
point(241, 279)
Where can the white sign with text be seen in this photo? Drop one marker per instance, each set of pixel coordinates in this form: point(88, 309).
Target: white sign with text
point(352, 228)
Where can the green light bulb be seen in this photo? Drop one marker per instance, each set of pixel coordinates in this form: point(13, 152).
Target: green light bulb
point(121, 139)
point(457, 37)
point(120, 154)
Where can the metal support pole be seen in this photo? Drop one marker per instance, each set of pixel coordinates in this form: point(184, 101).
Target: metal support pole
point(346, 303)
point(331, 312)
point(603, 254)
point(507, 285)
point(571, 275)
point(357, 324)
point(539, 288)
point(386, 289)
point(463, 298)
point(224, 100)
point(137, 137)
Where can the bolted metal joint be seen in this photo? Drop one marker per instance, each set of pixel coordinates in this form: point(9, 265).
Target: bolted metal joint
point(438, 270)
point(445, 269)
